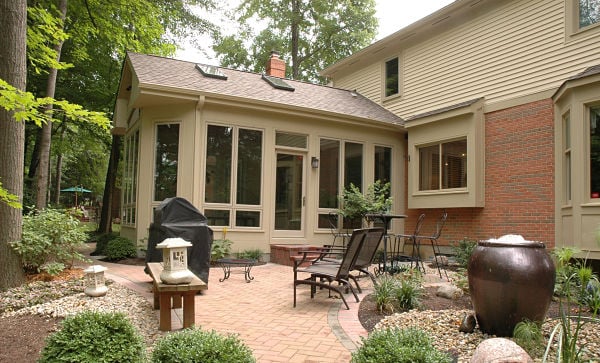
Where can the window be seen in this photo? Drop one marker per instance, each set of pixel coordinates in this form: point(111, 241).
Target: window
point(589, 12)
point(594, 114)
point(130, 165)
point(383, 164)
point(224, 144)
point(443, 166)
point(567, 157)
point(392, 77)
point(353, 164)
point(165, 165)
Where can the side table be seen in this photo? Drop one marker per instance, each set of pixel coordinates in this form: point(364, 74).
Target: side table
point(228, 263)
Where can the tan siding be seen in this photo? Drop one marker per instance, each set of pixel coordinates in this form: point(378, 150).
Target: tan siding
point(367, 82)
point(517, 49)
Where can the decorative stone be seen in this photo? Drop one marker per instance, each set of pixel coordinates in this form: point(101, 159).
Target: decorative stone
point(449, 291)
point(467, 325)
point(441, 260)
point(500, 350)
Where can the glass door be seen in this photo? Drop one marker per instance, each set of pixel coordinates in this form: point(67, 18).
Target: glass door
point(289, 195)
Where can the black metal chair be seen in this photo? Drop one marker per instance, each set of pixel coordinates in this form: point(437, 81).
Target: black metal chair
point(433, 239)
point(334, 226)
point(401, 239)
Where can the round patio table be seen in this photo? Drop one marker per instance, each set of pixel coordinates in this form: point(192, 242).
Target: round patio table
point(386, 219)
point(228, 263)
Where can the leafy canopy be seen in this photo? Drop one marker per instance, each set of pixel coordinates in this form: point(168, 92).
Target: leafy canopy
point(312, 34)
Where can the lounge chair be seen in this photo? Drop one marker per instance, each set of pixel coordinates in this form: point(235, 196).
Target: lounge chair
point(331, 272)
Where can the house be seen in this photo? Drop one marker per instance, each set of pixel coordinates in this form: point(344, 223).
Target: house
point(262, 157)
point(501, 102)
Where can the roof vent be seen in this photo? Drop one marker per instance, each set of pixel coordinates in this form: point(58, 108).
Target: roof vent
point(211, 71)
point(277, 83)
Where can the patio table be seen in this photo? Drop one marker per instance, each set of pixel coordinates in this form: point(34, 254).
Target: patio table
point(386, 219)
point(228, 263)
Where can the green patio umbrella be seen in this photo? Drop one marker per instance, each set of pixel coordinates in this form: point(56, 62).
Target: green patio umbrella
point(76, 190)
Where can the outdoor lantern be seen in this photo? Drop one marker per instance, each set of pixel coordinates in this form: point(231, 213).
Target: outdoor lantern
point(314, 162)
point(175, 267)
point(94, 281)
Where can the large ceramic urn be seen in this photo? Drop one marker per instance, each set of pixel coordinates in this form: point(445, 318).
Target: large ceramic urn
point(510, 280)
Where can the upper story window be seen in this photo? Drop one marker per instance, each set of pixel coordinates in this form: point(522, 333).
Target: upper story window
point(589, 12)
point(443, 165)
point(392, 77)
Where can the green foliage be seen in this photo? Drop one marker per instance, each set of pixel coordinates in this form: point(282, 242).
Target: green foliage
point(311, 34)
point(564, 269)
point(10, 199)
point(220, 248)
point(408, 292)
point(197, 346)
point(119, 248)
point(355, 204)
point(528, 334)
point(463, 251)
point(49, 236)
point(399, 346)
point(44, 30)
point(102, 242)
point(94, 337)
point(384, 293)
point(254, 254)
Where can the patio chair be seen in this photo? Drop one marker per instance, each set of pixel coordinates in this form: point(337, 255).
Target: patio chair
point(331, 272)
point(416, 253)
point(433, 239)
point(334, 226)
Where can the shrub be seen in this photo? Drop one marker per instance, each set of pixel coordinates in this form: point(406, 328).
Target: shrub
point(94, 337)
point(463, 251)
point(399, 346)
point(195, 345)
point(408, 292)
point(255, 254)
point(220, 248)
point(120, 248)
point(101, 243)
point(50, 239)
point(384, 293)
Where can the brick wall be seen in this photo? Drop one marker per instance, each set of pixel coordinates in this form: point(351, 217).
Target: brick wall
point(519, 180)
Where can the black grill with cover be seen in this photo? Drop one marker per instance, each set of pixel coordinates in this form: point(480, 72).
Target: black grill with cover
point(176, 217)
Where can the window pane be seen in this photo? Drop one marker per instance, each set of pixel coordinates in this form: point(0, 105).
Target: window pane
point(589, 12)
point(391, 77)
point(249, 167)
point(291, 140)
point(567, 157)
point(217, 217)
point(383, 164)
point(595, 151)
point(454, 172)
point(165, 175)
point(329, 166)
point(353, 161)
point(429, 166)
point(218, 164)
point(323, 221)
point(247, 219)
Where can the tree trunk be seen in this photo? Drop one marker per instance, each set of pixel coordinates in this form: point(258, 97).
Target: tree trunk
point(59, 158)
point(105, 225)
point(42, 177)
point(295, 37)
point(13, 17)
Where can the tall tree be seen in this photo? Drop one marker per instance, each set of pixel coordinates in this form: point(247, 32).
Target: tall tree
point(312, 33)
point(13, 17)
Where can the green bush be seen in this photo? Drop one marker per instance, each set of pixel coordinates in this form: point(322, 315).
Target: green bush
point(220, 248)
point(383, 292)
point(528, 334)
point(50, 239)
point(101, 243)
point(463, 251)
point(94, 337)
point(255, 254)
point(408, 292)
point(120, 248)
point(399, 346)
point(195, 345)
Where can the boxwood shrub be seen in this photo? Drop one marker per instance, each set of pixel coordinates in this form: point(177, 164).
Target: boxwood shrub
point(119, 248)
point(198, 346)
point(94, 337)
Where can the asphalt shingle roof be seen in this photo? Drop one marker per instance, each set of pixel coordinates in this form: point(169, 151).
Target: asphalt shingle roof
point(167, 72)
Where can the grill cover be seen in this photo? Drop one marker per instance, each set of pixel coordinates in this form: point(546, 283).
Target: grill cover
point(176, 217)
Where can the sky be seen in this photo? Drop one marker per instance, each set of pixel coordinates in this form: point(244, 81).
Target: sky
point(392, 15)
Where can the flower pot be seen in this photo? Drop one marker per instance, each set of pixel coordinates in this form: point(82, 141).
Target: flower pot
point(510, 280)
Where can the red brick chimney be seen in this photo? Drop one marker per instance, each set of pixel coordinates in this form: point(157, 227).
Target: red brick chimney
point(275, 66)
